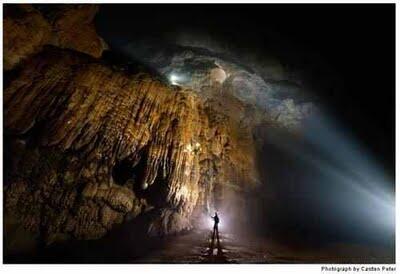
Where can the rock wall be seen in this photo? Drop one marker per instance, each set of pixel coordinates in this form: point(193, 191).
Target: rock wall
point(27, 30)
point(94, 147)
point(90, 146)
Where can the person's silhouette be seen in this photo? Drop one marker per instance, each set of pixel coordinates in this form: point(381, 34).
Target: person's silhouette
point(215, 231)
point(216, 221)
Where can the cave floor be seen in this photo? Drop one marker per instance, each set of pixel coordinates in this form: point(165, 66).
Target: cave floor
point(194, 247)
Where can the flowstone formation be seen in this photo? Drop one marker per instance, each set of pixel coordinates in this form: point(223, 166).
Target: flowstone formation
point(93, 147)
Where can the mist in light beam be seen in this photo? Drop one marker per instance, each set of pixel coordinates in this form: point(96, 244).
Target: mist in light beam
point(350, 189)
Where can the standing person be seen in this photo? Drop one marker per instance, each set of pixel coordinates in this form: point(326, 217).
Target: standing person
point(215, 230)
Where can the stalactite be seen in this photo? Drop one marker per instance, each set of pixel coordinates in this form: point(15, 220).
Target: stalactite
point(79, 119)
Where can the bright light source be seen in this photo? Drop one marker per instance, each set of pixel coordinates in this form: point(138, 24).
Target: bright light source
point(174, 79)
point(211, 222)
point(208, 221)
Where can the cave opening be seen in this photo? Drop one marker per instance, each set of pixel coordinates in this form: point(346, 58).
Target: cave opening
point(156, 193)
point(131, 172)
point(123, 171)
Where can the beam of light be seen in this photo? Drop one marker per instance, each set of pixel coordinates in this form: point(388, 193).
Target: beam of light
point(353, 185)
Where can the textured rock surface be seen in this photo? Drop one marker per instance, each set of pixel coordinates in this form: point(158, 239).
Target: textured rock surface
point(279, 98)
point(27, 30)
point(73, 28)
point(94, 147)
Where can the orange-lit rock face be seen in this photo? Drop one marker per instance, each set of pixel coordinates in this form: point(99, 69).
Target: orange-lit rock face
point(26, 31)
point(73, 28)
point(96, 147)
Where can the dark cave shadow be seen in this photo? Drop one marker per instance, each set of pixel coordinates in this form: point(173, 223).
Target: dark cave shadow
point(124, 244)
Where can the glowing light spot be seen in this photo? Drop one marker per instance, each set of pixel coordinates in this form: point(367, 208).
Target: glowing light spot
point(174, 79)
point(211, 222)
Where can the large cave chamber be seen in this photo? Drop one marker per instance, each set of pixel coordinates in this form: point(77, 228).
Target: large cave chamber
point(122, 135)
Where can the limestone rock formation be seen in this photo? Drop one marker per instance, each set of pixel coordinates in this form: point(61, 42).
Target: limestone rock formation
point(91, 146)
point(280, 99)
point(27, 30)
point(94, 147)
point(73, 28)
